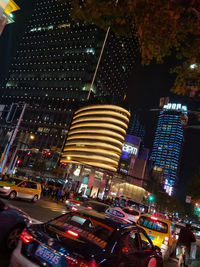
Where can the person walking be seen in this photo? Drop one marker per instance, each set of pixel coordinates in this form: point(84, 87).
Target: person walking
point(186, 238)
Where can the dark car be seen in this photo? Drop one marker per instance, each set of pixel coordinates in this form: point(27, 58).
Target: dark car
point(94, 206)
point(79, 239)
point(72, 204)
point(12, 222)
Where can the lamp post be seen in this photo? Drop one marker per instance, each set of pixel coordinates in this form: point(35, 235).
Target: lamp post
point(14, 155)
point(11, 140)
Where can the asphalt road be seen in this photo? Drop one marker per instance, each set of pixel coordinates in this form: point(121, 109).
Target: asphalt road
point(43, 211)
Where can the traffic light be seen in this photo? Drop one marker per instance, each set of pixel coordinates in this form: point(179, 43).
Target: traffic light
point(196, 204)
point(63, 164)
point(151, 198)
point(19, 162)
point(198, 209)
point(47, 154)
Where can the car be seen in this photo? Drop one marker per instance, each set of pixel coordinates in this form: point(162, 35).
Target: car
point(133, 214)
point(161, 231)
point(80, 239)
point(196, 231)
point(12, 222)
point(74, 203)
point(20, 188)
point(93, 207)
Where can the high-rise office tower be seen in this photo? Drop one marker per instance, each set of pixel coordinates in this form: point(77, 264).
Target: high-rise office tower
point(136, 127)
point(53, 70)
point(168, 142)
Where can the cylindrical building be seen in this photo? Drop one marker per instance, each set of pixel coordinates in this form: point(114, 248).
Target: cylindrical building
point(96, 136)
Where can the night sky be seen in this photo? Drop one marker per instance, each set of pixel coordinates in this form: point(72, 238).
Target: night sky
point(146, 85)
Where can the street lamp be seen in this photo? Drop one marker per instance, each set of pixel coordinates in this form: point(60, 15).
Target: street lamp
point(14, 155)
point(32, 137)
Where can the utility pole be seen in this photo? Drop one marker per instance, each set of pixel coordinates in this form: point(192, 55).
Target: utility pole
point(11, 140)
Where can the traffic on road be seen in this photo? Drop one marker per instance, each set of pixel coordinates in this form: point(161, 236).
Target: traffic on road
point(79, 231)
point(77, 235)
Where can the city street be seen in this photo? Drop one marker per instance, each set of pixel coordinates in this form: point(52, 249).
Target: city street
point(42, 211)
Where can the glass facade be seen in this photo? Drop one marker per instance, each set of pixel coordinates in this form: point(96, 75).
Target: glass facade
point(135, 127)
point(53, 69)
point(168, 142)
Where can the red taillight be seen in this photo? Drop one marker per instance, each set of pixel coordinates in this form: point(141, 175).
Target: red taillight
point(72, 233)
point(154, 218)
point(72, 262)
point(89, 208)
point(131, 209)
point(26, 237)
point(74, 208)
point(166, 241)
point(125, 249)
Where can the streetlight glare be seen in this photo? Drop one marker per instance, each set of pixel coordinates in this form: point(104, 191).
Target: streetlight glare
point(11, 15)
point(68, 157)
point(32, 137)
point(193, 66)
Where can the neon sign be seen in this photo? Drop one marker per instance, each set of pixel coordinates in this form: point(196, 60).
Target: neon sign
point(175, 106)
point(129, 149)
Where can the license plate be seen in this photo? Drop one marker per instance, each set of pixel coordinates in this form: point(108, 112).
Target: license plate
point(151, 237)
point(48, 255)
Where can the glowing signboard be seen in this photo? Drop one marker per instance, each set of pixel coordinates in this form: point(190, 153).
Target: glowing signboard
point(174, 106)
point(129, 148)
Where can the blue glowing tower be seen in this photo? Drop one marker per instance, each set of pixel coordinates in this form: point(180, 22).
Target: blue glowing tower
point(168, 142)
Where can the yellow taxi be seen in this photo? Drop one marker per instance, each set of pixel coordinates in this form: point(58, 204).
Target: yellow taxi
point(20, 188)
point(161, 231)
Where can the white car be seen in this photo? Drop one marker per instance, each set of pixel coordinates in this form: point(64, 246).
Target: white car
point(133, 214)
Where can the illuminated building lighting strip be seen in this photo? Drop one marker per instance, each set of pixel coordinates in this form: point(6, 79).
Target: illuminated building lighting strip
point(96, 144)
point(97, 138)
point(90, 150)
point(94, 158)
point(99, 125)
point(109, 107)
point(109, 114)
point(105, 132)
point(101, 119)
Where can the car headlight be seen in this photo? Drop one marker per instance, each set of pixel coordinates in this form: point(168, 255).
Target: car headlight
point(6, 187)
point(67, 201)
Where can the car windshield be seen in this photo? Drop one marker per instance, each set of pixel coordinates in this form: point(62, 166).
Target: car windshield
point(153, 224)
point(99, 207)
point(85, 227)
point(13, 181)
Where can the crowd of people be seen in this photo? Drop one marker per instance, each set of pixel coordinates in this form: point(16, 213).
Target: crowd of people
point(59, 194)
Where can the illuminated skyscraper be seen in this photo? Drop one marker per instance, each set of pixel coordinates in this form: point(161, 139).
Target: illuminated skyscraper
point(53, 70)
point(168, 142)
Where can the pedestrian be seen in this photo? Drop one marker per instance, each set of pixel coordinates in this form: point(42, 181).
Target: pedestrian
point(186, 238)
point(58, 194)
point(62, 194)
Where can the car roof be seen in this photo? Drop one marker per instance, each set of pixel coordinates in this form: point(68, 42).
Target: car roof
point(157, 216)
point(111, 221)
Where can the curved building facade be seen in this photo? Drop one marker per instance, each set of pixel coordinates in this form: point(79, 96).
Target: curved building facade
point(96, 136)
